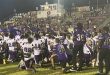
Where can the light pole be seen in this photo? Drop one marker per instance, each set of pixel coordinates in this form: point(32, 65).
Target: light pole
point(97, 4)
point(107, 2)
point(90, 4)
point(58, 4)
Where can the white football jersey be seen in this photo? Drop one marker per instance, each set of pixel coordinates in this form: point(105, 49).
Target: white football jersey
point(5, 38)
point(17, 37)
point(20, 41)
point(27, 51)
point(36, 44)
point(42, 39)
point(10, 43)
point(24, 41)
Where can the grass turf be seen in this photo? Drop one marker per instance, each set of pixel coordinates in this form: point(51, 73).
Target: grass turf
point(11, 69)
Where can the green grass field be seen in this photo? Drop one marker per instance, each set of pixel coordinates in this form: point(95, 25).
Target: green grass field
point(11, 69)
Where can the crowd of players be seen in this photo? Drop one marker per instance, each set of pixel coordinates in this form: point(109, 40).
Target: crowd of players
point(46, 40)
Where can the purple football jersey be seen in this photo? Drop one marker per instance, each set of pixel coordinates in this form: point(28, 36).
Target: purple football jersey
point(105, 39)
point(61, 54)
point(79, 37)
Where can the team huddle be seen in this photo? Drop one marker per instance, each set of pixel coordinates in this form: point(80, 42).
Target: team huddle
point(79, 48)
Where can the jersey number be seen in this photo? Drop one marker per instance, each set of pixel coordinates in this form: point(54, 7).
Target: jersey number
point(10, 44)
point(27, 49)
point(79, 37)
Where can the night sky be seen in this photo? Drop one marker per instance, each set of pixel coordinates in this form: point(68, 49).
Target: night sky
point(7, 6)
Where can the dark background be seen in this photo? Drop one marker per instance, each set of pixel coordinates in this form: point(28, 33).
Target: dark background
point(7, 6)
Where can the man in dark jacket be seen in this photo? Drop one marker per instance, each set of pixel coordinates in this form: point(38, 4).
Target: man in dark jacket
point(104, 51)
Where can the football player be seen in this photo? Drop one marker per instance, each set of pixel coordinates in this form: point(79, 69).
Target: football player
point(28, 55)
point(12, 48)
point(37, 50)
point(79, 39)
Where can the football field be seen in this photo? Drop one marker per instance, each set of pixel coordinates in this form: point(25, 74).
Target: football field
point(11, 69)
